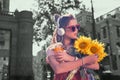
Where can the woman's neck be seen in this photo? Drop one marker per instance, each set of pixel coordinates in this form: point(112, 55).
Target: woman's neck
point(66, 41)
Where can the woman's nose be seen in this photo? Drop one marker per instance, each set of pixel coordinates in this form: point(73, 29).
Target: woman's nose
point(76, 30)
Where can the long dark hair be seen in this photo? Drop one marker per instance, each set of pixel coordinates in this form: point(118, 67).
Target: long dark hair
point(62, 22)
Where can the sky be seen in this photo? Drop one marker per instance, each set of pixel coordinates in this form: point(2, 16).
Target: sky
point(100, 7)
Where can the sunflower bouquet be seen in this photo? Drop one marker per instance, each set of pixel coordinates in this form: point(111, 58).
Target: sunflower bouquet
point(87, 46)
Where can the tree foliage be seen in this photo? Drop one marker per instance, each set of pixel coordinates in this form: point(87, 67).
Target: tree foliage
point(39, 66)
point(44, 15)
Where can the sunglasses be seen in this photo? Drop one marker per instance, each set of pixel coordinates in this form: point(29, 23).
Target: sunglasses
point(73, 28)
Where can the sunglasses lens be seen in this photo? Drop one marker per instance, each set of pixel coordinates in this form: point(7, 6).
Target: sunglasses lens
point(78, 27)
point(73, 28)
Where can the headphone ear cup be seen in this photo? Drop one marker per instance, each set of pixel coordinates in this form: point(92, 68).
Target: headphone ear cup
point(60, 31)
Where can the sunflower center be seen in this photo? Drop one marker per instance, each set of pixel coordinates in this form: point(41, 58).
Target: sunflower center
point(93, 49)
point(83, 45)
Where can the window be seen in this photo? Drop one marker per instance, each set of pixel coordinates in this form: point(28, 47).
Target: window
point(114, 62)
point(79, 18)
point(2, 43)
point(118, 47)
point(2, 40)
point(106, 60)
point(4, 3)
point(88, 18)
point(4, 52)
point(118, 31)
point(114, 16)
point(4, 58)
point(107, 48)
point(98, 36)
point(104, 32)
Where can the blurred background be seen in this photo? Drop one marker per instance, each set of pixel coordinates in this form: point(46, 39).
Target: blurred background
point(26, 29)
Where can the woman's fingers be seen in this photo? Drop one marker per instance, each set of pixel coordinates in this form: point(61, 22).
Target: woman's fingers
point(59, 58)
point(63, 56)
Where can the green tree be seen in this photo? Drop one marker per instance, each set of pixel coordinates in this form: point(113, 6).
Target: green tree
point(44, 15)
point(40, 66)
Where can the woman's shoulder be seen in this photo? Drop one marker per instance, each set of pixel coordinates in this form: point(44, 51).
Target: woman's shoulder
point(49, 51)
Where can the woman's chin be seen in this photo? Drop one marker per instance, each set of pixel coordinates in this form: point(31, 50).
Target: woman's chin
point(75, 37)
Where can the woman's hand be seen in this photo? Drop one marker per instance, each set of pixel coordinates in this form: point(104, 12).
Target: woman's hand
point(90, 59)
point(94, 66)
point(63, 56)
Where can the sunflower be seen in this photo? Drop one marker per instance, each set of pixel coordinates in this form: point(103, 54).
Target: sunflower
point(101, 56)
point(87, 46)
point(82, 44)
point(95, 47)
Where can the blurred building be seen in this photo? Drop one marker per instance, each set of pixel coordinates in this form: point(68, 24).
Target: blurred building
point(4, 52)
point(4, 5)
point(16, 34)
point(85, 20)
point(108, 31)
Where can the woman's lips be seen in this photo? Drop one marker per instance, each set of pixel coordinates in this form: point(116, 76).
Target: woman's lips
point(75, 34)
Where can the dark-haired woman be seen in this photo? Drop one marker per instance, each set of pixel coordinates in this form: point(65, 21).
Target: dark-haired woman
point(68, 65)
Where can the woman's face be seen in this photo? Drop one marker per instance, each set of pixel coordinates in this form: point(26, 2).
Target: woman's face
point(71, 30)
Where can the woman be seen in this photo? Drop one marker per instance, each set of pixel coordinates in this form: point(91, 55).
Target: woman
point(66, 61)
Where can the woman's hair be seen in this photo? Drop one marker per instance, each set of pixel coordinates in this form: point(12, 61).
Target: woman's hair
point(62, 22)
